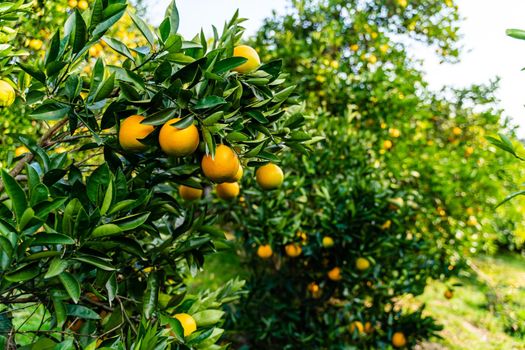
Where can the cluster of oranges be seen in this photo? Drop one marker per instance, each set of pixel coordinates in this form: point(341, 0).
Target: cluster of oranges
point(80, 4)
point(222, 168)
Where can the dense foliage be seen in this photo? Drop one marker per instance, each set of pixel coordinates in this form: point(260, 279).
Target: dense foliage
point(401, 189)
point(92, 238)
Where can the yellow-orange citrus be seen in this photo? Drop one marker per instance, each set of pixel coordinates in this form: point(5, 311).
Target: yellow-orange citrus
point(387, 144)
point(328, 242)
point(239, 174)
point(21, 151)
point(335, 274)
point(177, 142)
point(190, 193)
point(394, 133)
point(7, 94)
point(293, 250)
point(457, 131)
point(35, 44)
point(368, 328)
point(228, 190)
point(264, 251)
point(399, 340)
point(269, 176)
point(223, 167)
point(356, 325)
point(83, 5)
point(188, 323)
point(448, 294)
point(131, 131)
point(249, 53)
point(362, 264)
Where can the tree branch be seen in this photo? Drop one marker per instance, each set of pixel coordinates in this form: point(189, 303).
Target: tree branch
point(29, 157)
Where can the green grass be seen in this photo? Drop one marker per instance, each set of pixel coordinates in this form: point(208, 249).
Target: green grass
point(487, 311)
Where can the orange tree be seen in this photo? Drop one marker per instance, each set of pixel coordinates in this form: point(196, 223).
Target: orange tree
point(391, 197)
point(94, 245)
point(41, 17)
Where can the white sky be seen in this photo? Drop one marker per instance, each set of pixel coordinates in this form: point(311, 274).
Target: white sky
point(488, 51)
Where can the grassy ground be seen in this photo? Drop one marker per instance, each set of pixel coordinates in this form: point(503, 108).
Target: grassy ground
point(487, 311)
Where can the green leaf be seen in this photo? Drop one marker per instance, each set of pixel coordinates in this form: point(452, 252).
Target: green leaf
point(52, 239)
point(516, 33)
point(33, 71)
point(81, 311)
point(28, 215)
point(160, 117)
point(183, 123)
point(56, 267)
point(210, 102)
point(173, 15)
point(60, 309)
point(228, 64)
point(53, 49)
point(24, 273)
point(50, 111)
point(208, 318)
point(106, 230)
point(97, 262)
point(6, 246)
point(283, 94)
point(151, 296)
point(80, 33)
point(143, 28)
point(119, 47)
point(105, 89)
point(15, 193)
point(131, 222)
point(71, 285)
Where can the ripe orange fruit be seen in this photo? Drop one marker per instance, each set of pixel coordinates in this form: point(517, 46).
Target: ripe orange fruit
point(36, 44)
point(469, 151)
point(188, 323)
point(228, 190)
point(247, 52)
point(293, 250)
point(368, 328)
point(399, 340)
point(264, 251)
point(83, 5)
point(354, 47)
point(223, 167)
point(394, 132)
point(189, 193)
point(328, 242)
point(239, 174)
point(356, 325)
point(362, 264)
point(72, 3)
point(19, 151)
point(386, 225)
point(387, 144)
point(7, 94)
point(269, 176)
point(335, 274)
point(132, 131)
point(313, 287)
point(448, 294)
point(177, 142)
point(457, 131)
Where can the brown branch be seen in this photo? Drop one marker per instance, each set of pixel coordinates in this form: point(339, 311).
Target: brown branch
point(29, 156)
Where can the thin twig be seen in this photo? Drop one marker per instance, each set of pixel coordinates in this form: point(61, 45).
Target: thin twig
point(29, 156)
